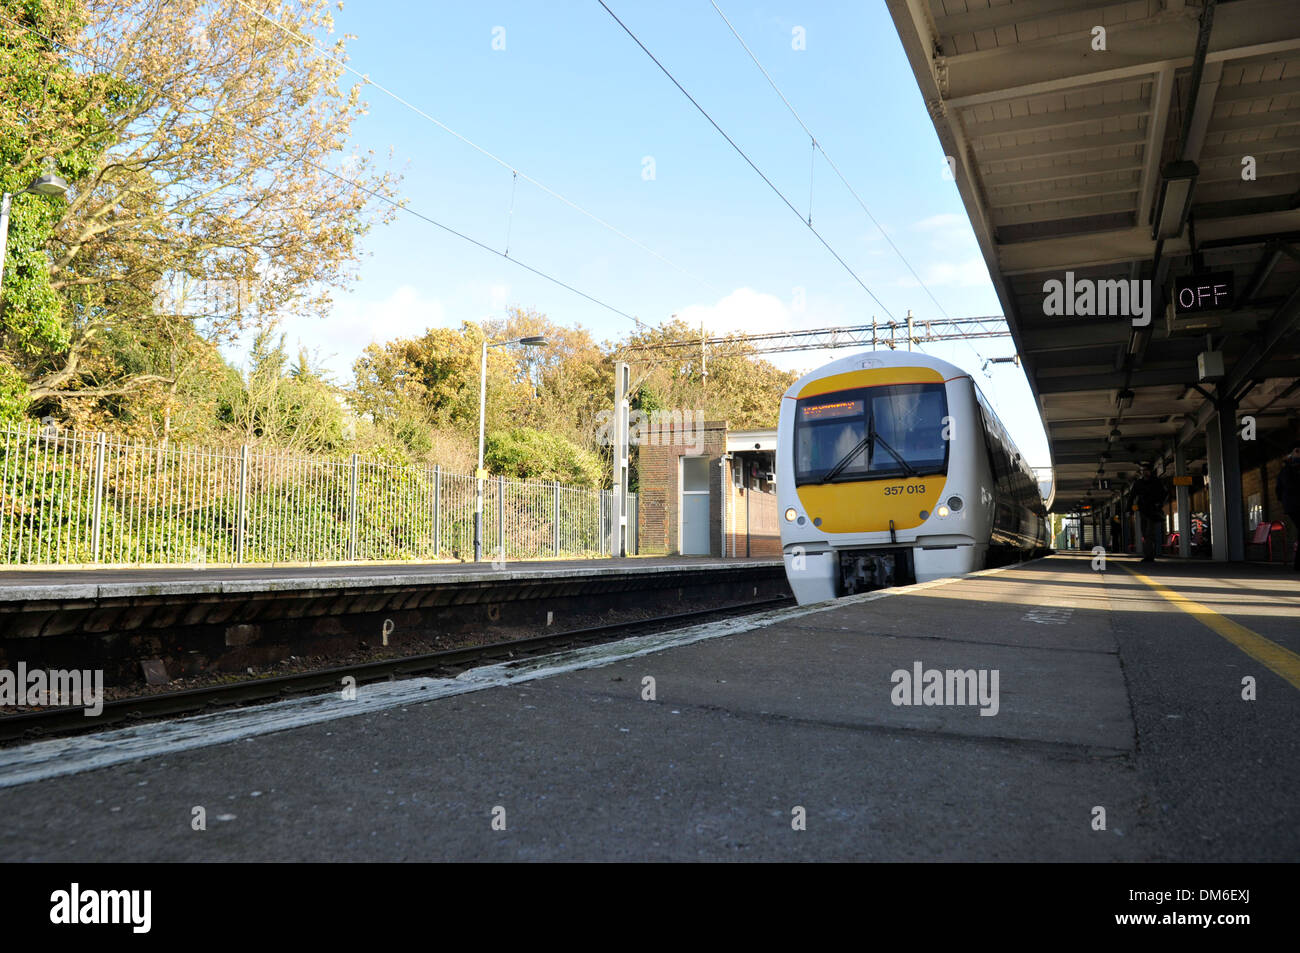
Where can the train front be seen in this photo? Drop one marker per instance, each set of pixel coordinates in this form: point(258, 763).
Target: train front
point(876, 471)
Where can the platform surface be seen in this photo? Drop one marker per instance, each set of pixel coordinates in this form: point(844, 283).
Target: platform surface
point(1114, 692)
point(54, 582)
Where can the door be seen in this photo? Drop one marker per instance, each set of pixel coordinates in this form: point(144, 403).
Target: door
point(695, 506)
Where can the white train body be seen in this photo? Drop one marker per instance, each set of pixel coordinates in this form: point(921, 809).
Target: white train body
point(892, 468)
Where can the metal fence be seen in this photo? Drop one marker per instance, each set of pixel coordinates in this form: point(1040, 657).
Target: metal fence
point(71, 499)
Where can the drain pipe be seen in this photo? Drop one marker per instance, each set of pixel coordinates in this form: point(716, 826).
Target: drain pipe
point(724, 487)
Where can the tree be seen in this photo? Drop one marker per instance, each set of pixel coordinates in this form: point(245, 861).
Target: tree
point(211, 154)
point(740, 388)
point(42, 116)
point(573, 379)
point(525, 453)
point(438, 373)
point(293, 408)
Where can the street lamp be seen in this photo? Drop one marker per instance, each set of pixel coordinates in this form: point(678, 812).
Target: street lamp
point(480, 473)
point(47, 183)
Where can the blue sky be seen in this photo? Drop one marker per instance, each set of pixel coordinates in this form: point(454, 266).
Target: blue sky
point(573, 103)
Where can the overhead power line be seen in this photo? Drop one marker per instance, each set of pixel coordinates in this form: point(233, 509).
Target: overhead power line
point(321, 168)
point(365, 78)
point(819, 147)
point(741, 152)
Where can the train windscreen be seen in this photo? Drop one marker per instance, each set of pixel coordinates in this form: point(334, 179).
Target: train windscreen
point(871, 433)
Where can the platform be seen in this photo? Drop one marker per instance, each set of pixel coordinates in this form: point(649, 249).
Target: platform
point(1120, 690)
point(228, 619)
point(18, 585)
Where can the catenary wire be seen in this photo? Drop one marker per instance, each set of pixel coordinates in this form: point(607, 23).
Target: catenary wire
point(739, 151)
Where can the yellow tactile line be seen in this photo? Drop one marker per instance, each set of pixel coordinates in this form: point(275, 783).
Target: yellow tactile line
point(1279, 659)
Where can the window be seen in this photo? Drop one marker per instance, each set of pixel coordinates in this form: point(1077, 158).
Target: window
point(871, 432)
point(695, 474)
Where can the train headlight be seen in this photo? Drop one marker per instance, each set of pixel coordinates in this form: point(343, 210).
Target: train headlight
point(955, 503)
point(941, 510)
point(790, 514)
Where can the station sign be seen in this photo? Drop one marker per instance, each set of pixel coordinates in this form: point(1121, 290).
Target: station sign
point(1182, 481)
point(1207, 291)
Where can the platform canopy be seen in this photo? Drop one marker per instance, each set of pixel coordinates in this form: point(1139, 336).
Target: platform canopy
point(1146, 140)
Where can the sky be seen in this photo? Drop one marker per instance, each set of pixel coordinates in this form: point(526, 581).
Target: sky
point(560, 93)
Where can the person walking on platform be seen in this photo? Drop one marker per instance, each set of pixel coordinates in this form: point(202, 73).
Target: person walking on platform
point(1148, 496)
point(1116, 534)
point(1288, 492)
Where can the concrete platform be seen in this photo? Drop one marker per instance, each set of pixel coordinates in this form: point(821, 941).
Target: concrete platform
point(206, 621)
point(53, 583)
point(1114, 691)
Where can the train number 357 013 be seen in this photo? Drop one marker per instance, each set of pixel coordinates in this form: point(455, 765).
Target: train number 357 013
point(904, 488)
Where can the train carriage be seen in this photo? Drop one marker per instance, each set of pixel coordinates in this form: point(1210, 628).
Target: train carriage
point(892, 468)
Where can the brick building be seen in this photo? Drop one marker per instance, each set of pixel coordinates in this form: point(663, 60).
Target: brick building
point(710, 495)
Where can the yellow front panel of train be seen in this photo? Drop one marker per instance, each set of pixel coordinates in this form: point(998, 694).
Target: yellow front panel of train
point(867, 507)
point(874, 377)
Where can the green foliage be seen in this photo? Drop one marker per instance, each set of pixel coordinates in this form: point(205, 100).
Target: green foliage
point(45, 125)
point(13, 395)
point(742, 389)
point(291, 408)
point(527, 454)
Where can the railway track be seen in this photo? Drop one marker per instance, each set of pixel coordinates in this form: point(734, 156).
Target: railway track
point(29, 726)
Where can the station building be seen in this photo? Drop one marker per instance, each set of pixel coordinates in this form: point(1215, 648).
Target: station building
point(713, 495)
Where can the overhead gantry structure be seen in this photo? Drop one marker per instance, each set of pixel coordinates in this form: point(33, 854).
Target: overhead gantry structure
point(1141, 141)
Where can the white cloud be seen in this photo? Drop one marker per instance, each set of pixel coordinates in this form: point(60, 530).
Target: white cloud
point(356, 322)
point(747, 310)
point(946, 220)
point(966, 273)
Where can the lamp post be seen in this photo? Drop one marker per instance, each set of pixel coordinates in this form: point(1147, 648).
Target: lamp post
point(480, 473)
point(47, 183)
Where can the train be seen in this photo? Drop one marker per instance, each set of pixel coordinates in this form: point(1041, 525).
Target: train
point(892, 468)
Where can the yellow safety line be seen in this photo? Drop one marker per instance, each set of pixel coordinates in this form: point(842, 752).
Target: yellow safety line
point(1281, 660)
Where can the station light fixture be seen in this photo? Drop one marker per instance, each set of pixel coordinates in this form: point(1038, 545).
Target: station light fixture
point(1177, 182)
point(47, 183)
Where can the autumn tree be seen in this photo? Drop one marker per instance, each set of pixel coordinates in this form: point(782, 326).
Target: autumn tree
point(206, 146)
point(433, 381)
point(739, 387)
point(43, 115)
point(572, 377)
point(289, 406)
point(526, 453)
